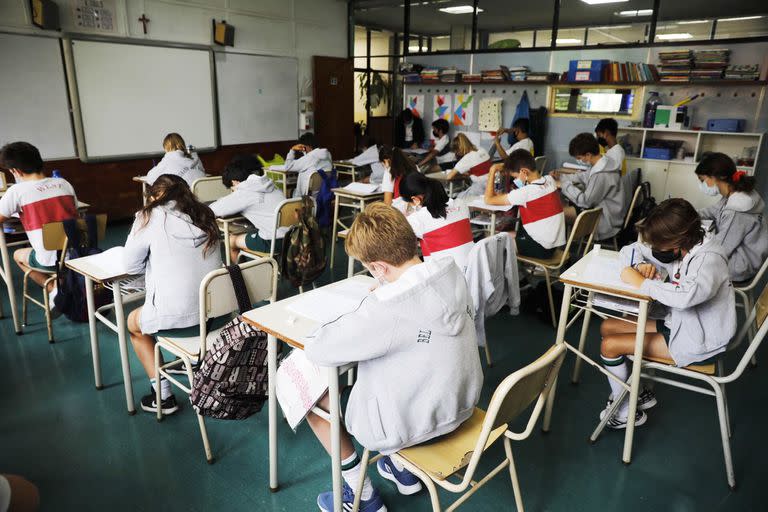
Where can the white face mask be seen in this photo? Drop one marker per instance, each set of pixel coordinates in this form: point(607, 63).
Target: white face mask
point(378, 276)
point(710, 191)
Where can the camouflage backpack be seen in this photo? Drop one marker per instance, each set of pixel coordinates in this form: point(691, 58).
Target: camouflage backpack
point(303, 256)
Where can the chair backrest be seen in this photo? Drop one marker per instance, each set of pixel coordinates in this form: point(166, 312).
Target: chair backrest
point(3, 182)
point(209, 188)
point(315, 182)
point(632, 204)
point(758, 314)
point(541, 163)
point(286, 213)
point(755, 280)
point(582, 232)
point(55, 239)
point(217, 296)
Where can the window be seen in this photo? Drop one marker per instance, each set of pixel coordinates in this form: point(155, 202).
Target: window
point(584, 24)
point(742, 26)
point(513, 24)
point(430, 19)
point(744, 18)
point(596, 101)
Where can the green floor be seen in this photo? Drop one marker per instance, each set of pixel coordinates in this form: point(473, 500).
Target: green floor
point(85, 453)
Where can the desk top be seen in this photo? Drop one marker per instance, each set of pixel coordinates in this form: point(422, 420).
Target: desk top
point(344, 163)
point(276, 319)
point(139, 179)
point(568, 170)
point(88, 267)
point(351, 193)
point(478, 203)
point(443, 177)
point(580, 276)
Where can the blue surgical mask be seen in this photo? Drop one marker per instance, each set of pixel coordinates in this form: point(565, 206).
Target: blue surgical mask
point(519, 183)
point(710, 191)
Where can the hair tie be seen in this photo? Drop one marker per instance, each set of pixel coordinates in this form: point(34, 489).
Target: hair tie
point(737, 176)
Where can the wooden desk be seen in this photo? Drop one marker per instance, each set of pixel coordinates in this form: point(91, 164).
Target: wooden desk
point(479, 204)
point(286, 180)
point(95, 274)
point(345, 167)
point(356, 202)
point(568, 170)
point(281, 324)
point(225, 226)
point(442, 177)
point(576, 278)
point(5, 273)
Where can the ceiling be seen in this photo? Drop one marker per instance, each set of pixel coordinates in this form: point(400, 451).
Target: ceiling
point(511, 15)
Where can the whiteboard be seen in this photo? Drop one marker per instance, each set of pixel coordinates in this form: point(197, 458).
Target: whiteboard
point(33, 95)
point(130, 96)
point(258, 98)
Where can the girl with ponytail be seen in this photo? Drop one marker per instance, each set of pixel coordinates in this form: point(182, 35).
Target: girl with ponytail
point(396, 166)
point(178, 160)
point(738, 218)
point(441, 224)
point(174, 242)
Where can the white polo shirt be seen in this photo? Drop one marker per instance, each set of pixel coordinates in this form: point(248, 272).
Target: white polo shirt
point(541, 211)
point(441, 237)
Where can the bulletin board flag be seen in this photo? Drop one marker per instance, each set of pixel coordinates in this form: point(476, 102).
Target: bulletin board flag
point(463, 110)
point(442, 107)
point(415, 103)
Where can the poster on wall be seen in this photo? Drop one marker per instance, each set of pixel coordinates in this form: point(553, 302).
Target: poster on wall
point(463, 110)
point(489, 118)
point(442, 107)
point(415, 103)
point(97, 15)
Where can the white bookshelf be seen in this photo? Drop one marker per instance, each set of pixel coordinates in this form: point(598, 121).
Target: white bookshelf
point(676, 177)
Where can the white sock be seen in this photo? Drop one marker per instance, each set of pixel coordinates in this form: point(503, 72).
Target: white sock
point(165, 387)
point(350, 471)
point(618, 367)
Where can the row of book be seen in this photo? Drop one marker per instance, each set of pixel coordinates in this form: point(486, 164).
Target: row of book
point(675, 65)
point(630, 72)
point(496, 75)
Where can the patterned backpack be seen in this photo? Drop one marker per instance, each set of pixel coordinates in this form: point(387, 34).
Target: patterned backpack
point(303, 255)
point(231, 383)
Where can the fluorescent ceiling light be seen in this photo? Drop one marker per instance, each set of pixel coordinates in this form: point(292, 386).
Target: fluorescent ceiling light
point(692, 22)
point(459, 9)
point(567, 41)
point(415, 49)
point(611, 27)
point(633, 14)
point(671, 37)
point(597, 2)
point(741, 19)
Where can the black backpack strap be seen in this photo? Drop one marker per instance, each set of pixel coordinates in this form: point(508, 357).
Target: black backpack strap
point(241, 291)
point(93, 228)
point(72, 232)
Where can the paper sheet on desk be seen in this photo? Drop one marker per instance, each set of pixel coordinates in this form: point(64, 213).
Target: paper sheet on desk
point(111, 261)
point(605, 271)
point(416, 151)
point(329, 303)
point(362, 188)
point(299, 385)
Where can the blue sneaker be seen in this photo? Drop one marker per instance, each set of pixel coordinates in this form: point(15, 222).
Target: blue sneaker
point(407, 483)
point(373, 504)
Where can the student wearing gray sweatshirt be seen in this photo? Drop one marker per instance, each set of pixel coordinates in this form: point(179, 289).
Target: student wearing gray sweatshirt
point(256, 198)
point(599, 187)
point(414, 341)
point(174, 242)
point(700, 315)
point(739, 217)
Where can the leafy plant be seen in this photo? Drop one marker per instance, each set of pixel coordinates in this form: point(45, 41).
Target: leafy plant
point(380, 89)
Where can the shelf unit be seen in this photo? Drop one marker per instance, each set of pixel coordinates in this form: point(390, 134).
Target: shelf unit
point(705, 83)
point(676, 177)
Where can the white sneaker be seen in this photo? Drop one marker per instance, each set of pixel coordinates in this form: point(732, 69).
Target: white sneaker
point(618, 421)
point(645, 400)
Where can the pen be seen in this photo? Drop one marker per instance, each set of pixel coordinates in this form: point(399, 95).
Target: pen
point(632, 259)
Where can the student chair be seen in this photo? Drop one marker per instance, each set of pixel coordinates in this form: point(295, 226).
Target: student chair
point(712, 375)
point(285, 216)
point(280, 179)
point(745, 298)
point(209, 188)
point(582, 233)
point(541, 163)
point(55, 239)
point(628, 216)
point(438, 460)
point(217, 299)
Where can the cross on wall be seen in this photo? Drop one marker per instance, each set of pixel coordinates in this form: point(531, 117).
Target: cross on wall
point(144, 20)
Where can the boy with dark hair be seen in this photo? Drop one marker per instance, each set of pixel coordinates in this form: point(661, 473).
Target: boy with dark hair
point(306, 159)
point(520, 130)
point(440, 151)
point(601, 186)
point(419, 318)
point(606, 131)
point(409, 130)
point(256, 198)
point(38, 200)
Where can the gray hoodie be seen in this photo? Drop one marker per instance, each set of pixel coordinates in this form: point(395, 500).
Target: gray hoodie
point(174, 162)
point(306, 166)
point(256, 199)
point(419, 373)
point(742, 230)
point(600, 187)
point(701, 305)
point(169, 249)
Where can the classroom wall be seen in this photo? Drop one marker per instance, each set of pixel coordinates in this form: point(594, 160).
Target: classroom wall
point(289, 28)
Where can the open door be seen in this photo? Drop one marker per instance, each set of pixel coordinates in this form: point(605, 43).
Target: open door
point(333, 92)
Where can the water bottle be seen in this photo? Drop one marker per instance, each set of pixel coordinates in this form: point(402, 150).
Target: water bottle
point(498, 183)
point(649, 115)
point(56, 173)
point(190, 148)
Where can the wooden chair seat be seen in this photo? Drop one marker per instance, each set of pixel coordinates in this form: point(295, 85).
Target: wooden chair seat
point(553, 262)
point(705, 368)
point(449, 453)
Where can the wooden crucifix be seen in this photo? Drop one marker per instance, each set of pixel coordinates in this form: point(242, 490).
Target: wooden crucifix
point(144, 20)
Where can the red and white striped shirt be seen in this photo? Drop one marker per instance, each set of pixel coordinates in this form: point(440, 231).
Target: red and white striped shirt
point(39, 202)
point(541, 211)
point(441, 237)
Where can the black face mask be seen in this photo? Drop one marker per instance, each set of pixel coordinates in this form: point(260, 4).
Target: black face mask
point(437, 135)
point(666, 256)
point(602, 142)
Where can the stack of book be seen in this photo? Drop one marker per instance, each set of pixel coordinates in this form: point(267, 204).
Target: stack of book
point(495, 75)
point(630, 72)
point(675, 66)
point(451, 75)
point(518, 73)
point(541, 76)
point(709, 64)
point(411, 78)
point(743, 72)
point(430, 75)
point(472, 78)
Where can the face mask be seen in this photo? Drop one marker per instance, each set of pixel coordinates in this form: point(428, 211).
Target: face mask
point(602, 141)
point(518, 183)
point(378, 276)
point(710, 191)
point(666, 256)
point(435, 135)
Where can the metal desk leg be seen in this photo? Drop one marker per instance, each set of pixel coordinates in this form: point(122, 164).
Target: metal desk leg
point(227, 246)
point(493, 223)
point(350, 266)
point(272, 404)
point(8, 278)
point(558, 340)
point(334, 229)
point(122, 342)
point(583, 338)
point(634, 389)
point(335, 414)
point(94, 335)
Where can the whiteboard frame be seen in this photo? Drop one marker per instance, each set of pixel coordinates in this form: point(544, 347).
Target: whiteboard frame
point(74, 93)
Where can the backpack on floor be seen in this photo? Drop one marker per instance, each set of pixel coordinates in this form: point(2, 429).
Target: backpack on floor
point(303, 256)
point(231, 382)
point(643, 207)
point(71, 296)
